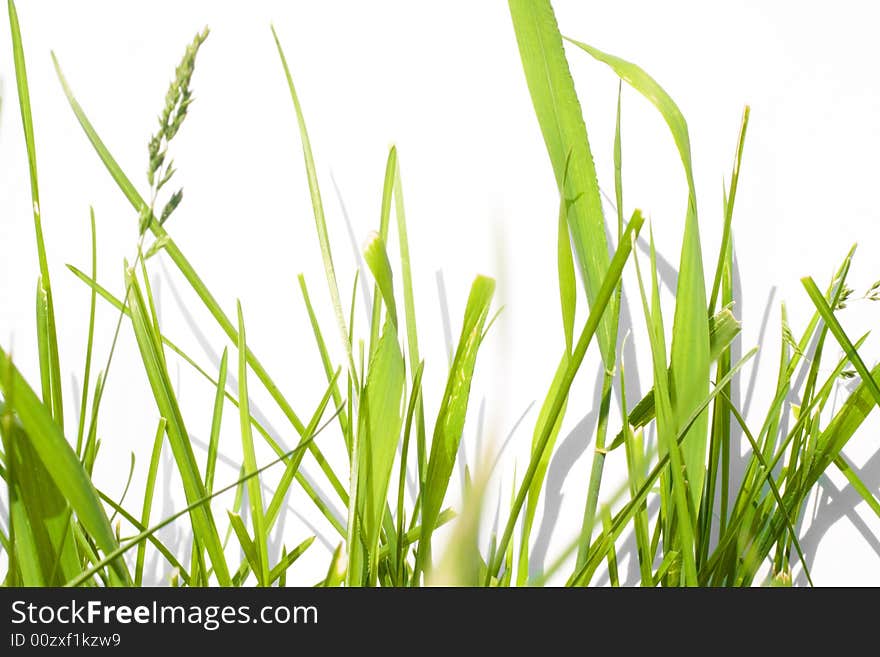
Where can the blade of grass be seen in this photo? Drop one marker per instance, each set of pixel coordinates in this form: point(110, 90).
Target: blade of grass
point(216, 420)
point(307, 487)
point(689, 355)
point(596, 310)
point(149, 488)
point(451, 416)
point(39, 517)
point(144, 535)
point(90, 340)
point(255, 497)
point(728, 210)
point(288, 560)
point(204, 527)
point(841, 337)
point(317, 207)
point(50, 368)
point(565, 135)
point(60, 461)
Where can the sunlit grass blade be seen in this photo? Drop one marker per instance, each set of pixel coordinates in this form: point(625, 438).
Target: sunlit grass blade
point(562, 124)
point(409, 308)
point(850, 473)
point(451, 417)
point(281, 568)
point(325, 356)
point(377, 443)
point(728, 211)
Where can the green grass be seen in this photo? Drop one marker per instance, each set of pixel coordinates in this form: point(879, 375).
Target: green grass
point(693, 520)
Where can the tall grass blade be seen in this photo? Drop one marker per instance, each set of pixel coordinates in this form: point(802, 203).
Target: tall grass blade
point(565, 135)
point(255, 497)
point(150, 346)
point(317, 207)
point(50, 368)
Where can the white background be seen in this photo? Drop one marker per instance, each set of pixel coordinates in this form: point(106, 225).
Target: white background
point(444, 83)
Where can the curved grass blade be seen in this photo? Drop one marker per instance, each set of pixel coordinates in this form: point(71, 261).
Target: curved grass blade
point(689, 355)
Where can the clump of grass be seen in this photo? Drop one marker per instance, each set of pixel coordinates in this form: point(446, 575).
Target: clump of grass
point(707, 530)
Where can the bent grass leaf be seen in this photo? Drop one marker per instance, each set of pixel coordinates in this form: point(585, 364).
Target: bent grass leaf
point(689, 355)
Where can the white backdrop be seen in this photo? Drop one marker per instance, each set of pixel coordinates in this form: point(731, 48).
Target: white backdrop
point(445, 84)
